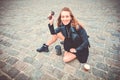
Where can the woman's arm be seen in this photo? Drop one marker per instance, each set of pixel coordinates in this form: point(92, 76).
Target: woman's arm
point(84, 37)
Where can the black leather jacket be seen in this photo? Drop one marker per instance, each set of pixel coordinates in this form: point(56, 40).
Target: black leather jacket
point(80, 35)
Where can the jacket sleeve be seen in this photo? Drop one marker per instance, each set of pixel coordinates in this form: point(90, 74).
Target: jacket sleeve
point(84, 37)
point(52, 30)
point(57, 30)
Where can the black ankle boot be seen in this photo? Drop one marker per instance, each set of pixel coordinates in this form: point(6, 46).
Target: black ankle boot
point(58, 49)
point(44, 48)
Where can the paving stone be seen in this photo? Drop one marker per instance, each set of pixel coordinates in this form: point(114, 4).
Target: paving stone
point(3, 77)
point(49, 77)
point(58, 63)
point(6, 68)
point(2, 47)
point(20, 65)
point(69, 77)
point(2, 64)
point(12, 60)
point(112, 62)
point(102, 66)
point(28, 60)
point(1, 52)
point(116, 46)
point(113, 73)
point(37, 64)
point(12, 52)
point(30, 53)
point(112, 76)
point(5, 43)
point(115, 70)
point(13, 72)
point(58, 73)
point(80, 74)
point(112, 56)
point(4, 57)
point(10, 35)
point(1, 73)
point(69, 69)
point(20, 56)
point(47, 68)
point(75, 64)
point(28, 69)
point(22, 76)
point(99, 73)
point(36, 74)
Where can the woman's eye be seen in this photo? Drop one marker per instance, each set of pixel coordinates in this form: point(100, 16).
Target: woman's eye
point(62, 16)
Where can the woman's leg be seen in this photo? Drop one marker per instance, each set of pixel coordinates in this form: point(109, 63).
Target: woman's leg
point(60, 36)
point(52, 40)
point(44, 48)
point(55, 37)
point(68, 56)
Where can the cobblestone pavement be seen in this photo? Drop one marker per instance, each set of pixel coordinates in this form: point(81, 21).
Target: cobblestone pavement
point(23, 28)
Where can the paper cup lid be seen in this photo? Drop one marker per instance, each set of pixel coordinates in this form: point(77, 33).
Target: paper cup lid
point(87, 66)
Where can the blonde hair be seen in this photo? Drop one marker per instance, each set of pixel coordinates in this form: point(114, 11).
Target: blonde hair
point(74, 21)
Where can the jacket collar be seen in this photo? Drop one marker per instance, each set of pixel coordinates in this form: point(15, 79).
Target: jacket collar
point(72, 29)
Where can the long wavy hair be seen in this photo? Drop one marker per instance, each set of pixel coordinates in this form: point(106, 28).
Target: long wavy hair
point(74, 21)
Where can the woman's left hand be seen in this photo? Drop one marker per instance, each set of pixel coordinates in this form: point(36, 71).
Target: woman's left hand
point(73, 50)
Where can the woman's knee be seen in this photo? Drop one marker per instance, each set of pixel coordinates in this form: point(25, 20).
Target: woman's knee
point(68, 57)
point(60, 36)
point(54, 37)
point(66, 60)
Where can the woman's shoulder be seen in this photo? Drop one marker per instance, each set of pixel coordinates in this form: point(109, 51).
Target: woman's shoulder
point(81, 30)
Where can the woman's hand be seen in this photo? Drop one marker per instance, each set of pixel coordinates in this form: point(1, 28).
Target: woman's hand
point(73, 50)
point(51, 19)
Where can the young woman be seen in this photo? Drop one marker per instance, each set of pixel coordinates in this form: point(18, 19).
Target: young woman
point(72, 33)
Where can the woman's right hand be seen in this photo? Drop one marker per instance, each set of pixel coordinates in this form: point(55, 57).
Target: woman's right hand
point(51, 19)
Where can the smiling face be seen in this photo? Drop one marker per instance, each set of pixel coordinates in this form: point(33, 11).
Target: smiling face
point(65, 17)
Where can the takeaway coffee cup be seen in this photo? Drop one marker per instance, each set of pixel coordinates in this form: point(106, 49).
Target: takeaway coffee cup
point(86, 67)
point(58, 50)
point(51, 14)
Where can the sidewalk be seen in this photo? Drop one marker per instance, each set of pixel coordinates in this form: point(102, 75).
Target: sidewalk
point(23, 28)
